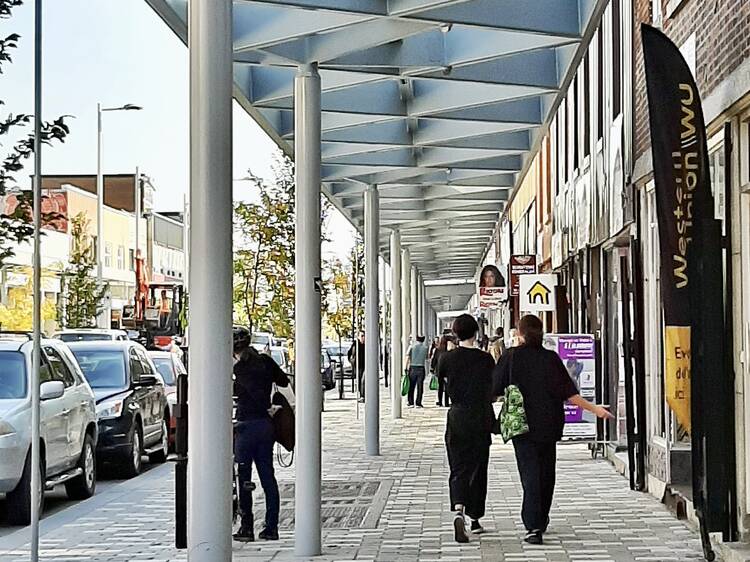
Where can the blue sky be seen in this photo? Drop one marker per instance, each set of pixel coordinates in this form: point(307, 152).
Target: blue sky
point(117, 52)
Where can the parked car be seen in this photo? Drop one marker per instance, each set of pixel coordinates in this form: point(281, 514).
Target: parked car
point(90, 334)
point(340, 365)
point(262, 341)
point(169, 366)
point(68, 424)
point(131, 403)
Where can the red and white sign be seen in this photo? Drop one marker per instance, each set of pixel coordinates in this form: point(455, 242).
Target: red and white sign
point(520, 265)
point(492, 297)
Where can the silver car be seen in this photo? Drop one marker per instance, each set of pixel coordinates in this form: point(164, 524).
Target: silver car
point(68, 424)
point(90, 334)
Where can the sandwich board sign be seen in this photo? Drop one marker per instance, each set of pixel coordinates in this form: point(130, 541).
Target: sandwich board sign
point(537, 292)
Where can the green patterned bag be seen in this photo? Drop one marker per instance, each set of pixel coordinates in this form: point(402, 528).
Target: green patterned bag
point(434, 385)
point(405, 385)
point(513, 420)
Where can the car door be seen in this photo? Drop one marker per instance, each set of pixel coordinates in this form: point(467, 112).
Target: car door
point(152, 401)
point(82, 401)
point(54, 416)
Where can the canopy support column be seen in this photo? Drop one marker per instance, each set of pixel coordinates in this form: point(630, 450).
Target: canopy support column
point(307, 309)
point(414, 318)
point(372, 322)
point(397, 356)
point(406, 302)
point(210, 393)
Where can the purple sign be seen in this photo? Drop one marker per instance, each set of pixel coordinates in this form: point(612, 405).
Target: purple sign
point(573, 414)
point(575, 347)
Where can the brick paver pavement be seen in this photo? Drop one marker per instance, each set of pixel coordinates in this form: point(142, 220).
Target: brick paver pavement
point(390, 508)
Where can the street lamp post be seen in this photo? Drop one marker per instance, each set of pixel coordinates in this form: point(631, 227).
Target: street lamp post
point(100, 188)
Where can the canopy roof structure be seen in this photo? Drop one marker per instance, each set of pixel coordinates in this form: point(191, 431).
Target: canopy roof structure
point(439, 103)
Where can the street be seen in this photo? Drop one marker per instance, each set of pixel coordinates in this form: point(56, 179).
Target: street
point(387, 508)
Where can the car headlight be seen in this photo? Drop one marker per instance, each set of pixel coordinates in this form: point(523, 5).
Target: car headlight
point(109, 409)
point(6, 428)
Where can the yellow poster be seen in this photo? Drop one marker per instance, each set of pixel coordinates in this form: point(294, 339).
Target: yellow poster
point(677, 368)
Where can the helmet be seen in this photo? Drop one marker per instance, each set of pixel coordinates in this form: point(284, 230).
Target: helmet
point(240, 338)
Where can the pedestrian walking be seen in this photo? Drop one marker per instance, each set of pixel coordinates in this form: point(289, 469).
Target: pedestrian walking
point(468, 371)
point(497, 348)
point(442, 348)
point(416, 366)
point(545, 386)
point(356, 358)
point(255, 374)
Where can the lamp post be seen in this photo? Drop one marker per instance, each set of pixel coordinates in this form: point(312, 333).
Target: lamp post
point(100, 188)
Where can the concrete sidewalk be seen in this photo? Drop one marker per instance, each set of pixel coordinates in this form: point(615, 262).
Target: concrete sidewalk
point(389, 508)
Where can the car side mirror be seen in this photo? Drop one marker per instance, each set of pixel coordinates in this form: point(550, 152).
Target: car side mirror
point(147, 380)
point(51, 389)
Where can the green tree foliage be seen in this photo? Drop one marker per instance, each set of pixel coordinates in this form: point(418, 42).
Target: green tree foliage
point(15, 226)
point(82, 295)
point(264, 254)
point(338, 316)
point(357, 274)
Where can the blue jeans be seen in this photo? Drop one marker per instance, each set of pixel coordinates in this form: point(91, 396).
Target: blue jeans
point(254, 444)
point(416, 382)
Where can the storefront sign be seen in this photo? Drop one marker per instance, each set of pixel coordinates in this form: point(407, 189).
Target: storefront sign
point(520, 265)
point(537, 293)
point(578, 354)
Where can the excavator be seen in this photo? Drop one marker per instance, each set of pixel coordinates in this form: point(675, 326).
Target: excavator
point(158, 313)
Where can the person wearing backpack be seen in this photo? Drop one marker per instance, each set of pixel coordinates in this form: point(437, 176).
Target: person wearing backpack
point(468, 372)
point(544, 386)
point(254, 376)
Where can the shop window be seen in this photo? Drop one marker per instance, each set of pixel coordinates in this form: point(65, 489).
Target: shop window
point(745, 153)
point(717, 170)
point(120, 257)
point(131, 259)
point(586, 106)
point(599, 84)
point(107, 254)
point(575, 120)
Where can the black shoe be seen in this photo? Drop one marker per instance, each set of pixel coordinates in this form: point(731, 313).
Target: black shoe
point(420, 406)
point(534, 537)
point(476, 527)
point(459, 528)
point(245, 534)
point(439, 404)
point(268, 535)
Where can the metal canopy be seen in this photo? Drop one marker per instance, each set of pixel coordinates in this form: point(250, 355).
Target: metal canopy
point(440, 103)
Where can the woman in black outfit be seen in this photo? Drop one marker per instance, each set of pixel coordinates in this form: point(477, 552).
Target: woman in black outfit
point(545, 385)
point(442, 347)
point(467, 436)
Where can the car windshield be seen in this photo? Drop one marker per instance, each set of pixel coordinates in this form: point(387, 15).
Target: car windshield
point(12, 375)
point(277, 356)
point(102, 368)
point(166, 369)
point(73, 337)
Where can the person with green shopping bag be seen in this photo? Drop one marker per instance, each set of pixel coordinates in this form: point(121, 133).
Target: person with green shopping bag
point(544, 386)
point(416, 363)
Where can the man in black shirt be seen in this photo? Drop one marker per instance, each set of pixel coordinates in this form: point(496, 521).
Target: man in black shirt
point(254, 377)
point(356, 357)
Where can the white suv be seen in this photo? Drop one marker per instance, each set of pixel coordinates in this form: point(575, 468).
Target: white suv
point(68, 424)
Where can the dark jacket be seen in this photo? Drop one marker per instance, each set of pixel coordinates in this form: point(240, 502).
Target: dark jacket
point(352, 355)
point(255, 374)
point(545, 385)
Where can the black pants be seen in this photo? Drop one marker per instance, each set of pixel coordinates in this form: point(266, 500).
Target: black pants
point(254, 444)
point(361, 383)
point(536, 466)
point(416, 382)
point(468, 456)
point(443, 399)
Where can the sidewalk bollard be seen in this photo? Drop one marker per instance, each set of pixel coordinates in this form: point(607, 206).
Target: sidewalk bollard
point(180, 472)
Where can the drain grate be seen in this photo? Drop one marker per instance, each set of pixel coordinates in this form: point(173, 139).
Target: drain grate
point(345, 504)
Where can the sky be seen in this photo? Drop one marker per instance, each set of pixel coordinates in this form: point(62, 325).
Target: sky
point(117, 52)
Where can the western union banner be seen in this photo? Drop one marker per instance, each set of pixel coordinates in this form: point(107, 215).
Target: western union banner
point(678, 145)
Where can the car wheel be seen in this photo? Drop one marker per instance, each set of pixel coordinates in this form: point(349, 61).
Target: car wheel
point(83, 486)
point(134, 456)
point(160, 456)
point(19, 500)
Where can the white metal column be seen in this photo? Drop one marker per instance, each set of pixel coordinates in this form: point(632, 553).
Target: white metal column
point(372, 317)
point(397, 355)
point(414, 317)
point(307, 309)
point(210, 394)
point(406, 303)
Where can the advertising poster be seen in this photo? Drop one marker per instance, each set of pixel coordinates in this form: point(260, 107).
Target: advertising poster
point(490, 298)
point(578, 354)
point(520, 265)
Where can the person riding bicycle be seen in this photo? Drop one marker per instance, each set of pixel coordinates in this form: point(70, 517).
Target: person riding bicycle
point(254, 377)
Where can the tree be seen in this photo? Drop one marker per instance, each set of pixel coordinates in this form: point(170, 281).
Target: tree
point(16, 227)
point(357, 273)
point(338, 315)
point(82, 295)
point(18, 313)
point(264, 254)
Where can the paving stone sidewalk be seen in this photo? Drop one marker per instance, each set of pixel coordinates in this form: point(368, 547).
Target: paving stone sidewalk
point(389, 509)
